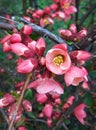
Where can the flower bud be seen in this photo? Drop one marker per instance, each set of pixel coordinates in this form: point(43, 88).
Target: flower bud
point(26, 66)
point(47, 110)
point(16, 38)
point(27, 30)
point(27, 105)
point(73, 28)
point(40, 46)
point(6, 100)
point(6, 47)
point(41, 98)
point(22, 128)
point(82, 34)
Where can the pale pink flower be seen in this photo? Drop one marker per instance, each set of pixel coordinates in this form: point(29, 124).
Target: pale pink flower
point(6, 100)
point(27, 105)
point(58, 60)
point(47, 110)
point(46, 85)
point(46, 21)
point(26, 66)
point(74, 76)
point(80, 113)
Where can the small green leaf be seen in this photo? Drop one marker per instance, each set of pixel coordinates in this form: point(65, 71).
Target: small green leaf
point(32, 115)
point(20, 25)
point(67, 122)
point(28, 94)
point(20, 122)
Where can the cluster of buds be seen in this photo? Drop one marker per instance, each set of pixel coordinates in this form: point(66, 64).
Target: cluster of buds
point(60, 9)
point(71, 34)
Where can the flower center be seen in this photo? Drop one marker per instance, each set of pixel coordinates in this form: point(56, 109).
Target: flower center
point(46, 21)
point(66, 5)
point(58, 59)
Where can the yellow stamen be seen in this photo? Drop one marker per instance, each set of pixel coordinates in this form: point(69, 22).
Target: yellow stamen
point(58, 59)
point(66, 5)
point(46, 21)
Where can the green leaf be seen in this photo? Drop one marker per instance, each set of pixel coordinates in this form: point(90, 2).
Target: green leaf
point(88, 100)
point(20, 25)
point(20, 122)
point(93, 74)
point(67, 121)
point(32, 115)
point(28, 95)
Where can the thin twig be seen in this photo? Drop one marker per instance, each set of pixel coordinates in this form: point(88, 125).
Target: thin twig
point(19, 102)
point(5, 117)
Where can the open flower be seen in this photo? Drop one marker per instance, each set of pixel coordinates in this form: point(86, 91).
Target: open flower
point(80, 113)
point(74, 76)
point(58, 60)
point(46, 85)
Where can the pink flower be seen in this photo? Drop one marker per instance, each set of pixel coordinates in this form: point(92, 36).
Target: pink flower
point(22, 128)
point(81, 34)
point(47, 110)
point(19, 49)
point(16, 38)
point(6, 100)
point(80, 55)
point(27, 105)
point(5, 39)
point(27, 30)
point(41, 98)
point(58, 60)
point(26, 66)
point(68, 8)
point(74, 76)
point(46, 21)
point(40, 46)
point(80, 113)
point(46, 85)
point(73, 28)
point(6, 46)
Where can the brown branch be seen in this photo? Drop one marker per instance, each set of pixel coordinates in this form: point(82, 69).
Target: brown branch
point(19, 102)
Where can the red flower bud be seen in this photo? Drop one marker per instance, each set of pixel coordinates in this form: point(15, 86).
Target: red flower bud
point(27, 105)
point(16, 38)
point(40, 46)
point(47, 110)
point(41, 98)
point(27, 30)
point(6, 100)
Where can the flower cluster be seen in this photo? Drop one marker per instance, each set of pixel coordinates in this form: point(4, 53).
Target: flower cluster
point(71, 34)
point(57, 61)
point(60, 9)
